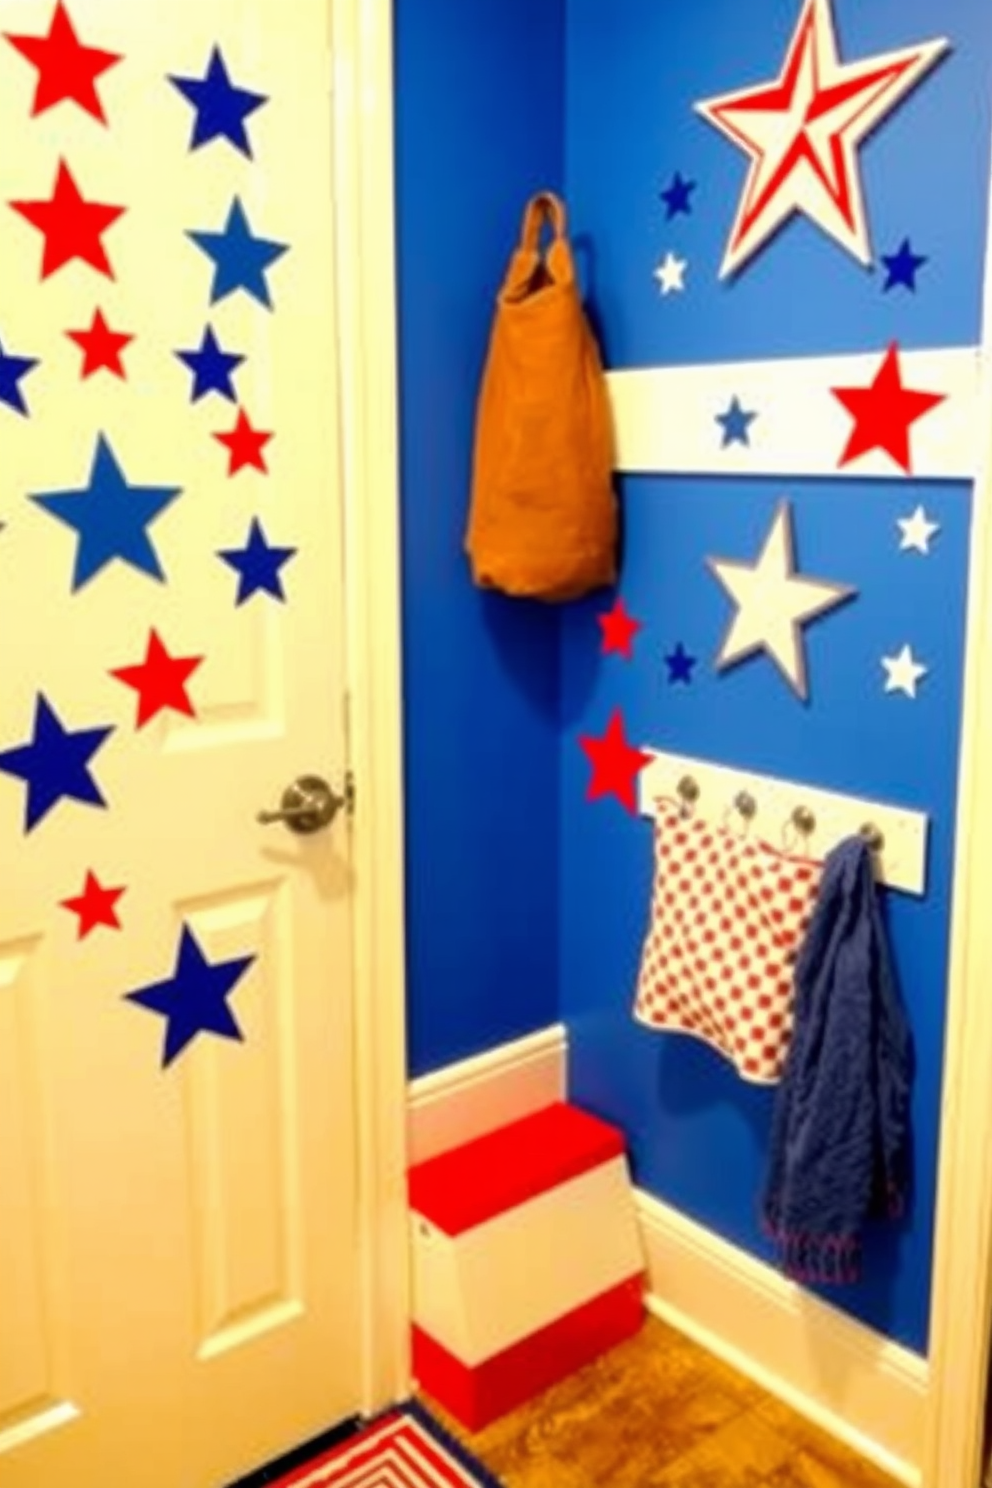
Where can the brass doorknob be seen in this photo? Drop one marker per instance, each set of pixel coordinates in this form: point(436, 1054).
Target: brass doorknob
point(308, 805)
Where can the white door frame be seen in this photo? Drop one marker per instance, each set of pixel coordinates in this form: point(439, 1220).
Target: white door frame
point(961, 1308)
point(362, 83)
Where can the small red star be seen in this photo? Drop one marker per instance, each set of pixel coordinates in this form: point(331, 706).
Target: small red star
point(101, 347)
point(67, 70)
point(72, 228)
point(245, 445)
point(884, 412)
point(94, 906)
point(160, 681)
point(615, 763)
point(619, 630)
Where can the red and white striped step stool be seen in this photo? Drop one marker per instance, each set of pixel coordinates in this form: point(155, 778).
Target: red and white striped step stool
point(526, 1260)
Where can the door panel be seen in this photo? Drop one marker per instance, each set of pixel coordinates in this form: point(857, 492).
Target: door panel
point(179, 1281)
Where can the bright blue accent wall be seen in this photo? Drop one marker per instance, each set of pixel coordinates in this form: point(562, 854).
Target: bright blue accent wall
point(525, 902)
point(479, 126)
point(634, 69)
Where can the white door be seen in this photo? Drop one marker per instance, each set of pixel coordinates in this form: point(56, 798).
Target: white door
point(179, 1269)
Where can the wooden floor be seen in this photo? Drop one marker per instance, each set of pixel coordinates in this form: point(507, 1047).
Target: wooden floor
point(659, 1412)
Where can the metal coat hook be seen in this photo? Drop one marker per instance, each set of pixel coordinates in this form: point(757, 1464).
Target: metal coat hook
point(688, 794)
point(802, 821)
point(874, 840)
point(745, 806)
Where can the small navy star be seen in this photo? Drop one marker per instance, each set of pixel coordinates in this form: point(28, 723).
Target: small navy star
point(110, 517)
point(194, 999)
point(55, 763)
point(902, 267)
point(221, 108)
point(735, 423)
point(240, 259)
point(677, 197)
point(211, 367)
point(12, 369)
point(257, 564)
point(680, 664)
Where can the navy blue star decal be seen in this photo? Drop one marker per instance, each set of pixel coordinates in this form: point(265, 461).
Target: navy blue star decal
point(194, 999)
point(221, 108)
point(902, 267)
point(677, 197)
point(735, 424)
point(257, 564)
point(240, 259)
point(110, 517)
point(55, 763)
point(680, 664)
point(12, 369)
point(211, 367)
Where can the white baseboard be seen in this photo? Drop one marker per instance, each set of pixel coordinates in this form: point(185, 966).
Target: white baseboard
point(474, 1096)
point(856, 1384)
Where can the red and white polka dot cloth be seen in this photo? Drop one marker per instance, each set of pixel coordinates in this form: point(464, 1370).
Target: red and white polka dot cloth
point(728, 915)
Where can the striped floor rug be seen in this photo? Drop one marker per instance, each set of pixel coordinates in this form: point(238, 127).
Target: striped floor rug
point(405, 1448)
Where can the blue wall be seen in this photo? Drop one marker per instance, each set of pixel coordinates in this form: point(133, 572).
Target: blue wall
point(634, 69)
point(479, 126)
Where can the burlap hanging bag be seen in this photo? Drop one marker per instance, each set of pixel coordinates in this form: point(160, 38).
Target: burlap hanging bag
point(543, 518)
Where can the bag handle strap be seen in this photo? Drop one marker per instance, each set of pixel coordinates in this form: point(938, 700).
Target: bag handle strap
point(544, 207)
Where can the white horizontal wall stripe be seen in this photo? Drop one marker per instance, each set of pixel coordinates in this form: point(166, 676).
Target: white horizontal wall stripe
point(665, 418)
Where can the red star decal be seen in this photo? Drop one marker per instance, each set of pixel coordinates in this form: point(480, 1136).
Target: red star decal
point(94, 906)
point(160, 681)
point(245, 445)
point(884, 412)
point(101, 347)
point(619, 630)
point(615, 763)
point(67, 70)
point(801, 133)
point(72, 227)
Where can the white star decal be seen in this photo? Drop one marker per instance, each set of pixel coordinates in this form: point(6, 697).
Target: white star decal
point(773, 603)
point(670, 273)
point(802, 132)
point(917, 531)
point(903, 672)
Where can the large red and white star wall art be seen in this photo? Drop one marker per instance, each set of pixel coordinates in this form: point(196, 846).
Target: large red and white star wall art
point(802, 130)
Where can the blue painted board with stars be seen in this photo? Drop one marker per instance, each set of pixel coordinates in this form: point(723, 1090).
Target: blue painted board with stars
point(882, 719)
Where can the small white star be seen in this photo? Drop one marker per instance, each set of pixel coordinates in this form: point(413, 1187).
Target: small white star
point(917, 531)
point(670, 273)
point(903, 672)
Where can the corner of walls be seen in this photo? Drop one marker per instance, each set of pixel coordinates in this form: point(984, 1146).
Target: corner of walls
point(479, 127)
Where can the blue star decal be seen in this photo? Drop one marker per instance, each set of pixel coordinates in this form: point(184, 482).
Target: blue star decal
point(55, 763)
point(680, 664)
point(12, 369)
point(110, 517)
point(677, 197)
point(211, 367)
point(221, 108)
point(735, 423)
point(902, 267)
point(257, 564)
point(240, 259)
point(194, 999)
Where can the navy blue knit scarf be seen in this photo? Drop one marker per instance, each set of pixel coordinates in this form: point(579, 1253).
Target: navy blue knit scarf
point(839, 1135)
